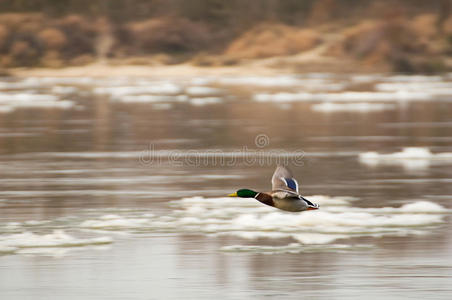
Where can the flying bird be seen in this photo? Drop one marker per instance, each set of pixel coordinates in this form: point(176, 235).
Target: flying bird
point(284, 194)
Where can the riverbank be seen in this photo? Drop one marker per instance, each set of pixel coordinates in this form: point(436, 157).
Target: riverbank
point(305, 63)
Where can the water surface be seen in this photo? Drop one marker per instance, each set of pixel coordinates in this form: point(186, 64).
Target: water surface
point(114, 188)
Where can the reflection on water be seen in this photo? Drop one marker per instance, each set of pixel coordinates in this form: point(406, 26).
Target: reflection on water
point(116, 187)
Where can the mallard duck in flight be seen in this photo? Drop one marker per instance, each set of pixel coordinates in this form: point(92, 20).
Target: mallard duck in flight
point(284, 194)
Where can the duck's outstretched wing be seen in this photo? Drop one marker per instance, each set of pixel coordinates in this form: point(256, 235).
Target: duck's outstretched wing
point(283, 180)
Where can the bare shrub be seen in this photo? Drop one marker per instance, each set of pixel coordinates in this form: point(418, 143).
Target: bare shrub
point(22, 21)
point(4, 33)
point(268, 40)
point(81, 60)
point(52, 59)
point(52, 38)
point(80, 34)
point(167, 34)
point(425, 26)
point(23, 54)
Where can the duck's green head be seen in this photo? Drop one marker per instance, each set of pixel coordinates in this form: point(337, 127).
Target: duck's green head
point(244, 193)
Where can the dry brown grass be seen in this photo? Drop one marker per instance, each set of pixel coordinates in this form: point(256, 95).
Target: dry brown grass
point(4, 33)
point(52, 38)
point(267, 40)
point(406, 45)
point(167, 34)
point(23, 54)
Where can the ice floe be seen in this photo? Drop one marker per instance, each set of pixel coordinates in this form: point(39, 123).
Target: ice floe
point(150, 98)
point(351, 107)
point(11, 102)
point(409, 158)
point(435, 88)
point(343, 96)
point(57, 239)
point(119, 91)
point(246, 219)
point(205, 101)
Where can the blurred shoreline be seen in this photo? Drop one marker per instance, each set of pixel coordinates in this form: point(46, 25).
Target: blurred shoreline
point(273, 66)
point(374, 38)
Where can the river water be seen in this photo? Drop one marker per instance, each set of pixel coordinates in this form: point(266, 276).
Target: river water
point(114, 188)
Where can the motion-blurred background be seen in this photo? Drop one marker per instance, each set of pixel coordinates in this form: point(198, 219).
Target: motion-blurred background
point(387, 35)
point(125, 123)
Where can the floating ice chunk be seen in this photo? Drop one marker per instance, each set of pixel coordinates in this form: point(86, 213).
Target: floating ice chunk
point(411, 158)
point(291, 248)
point(201, 80)
point(39, 81)
point(317, 238)
point(248, 219)
point(413, 78)
point(119, 91)
point(435, 88)
point(352, 107)
point(205, 101)
point(151, 98)
point(6, 109)
point(344, 96)
point(56, 239)
point(407, 153)
point(287, 97)
point(144, 99)
point(62, 104)
point(423, 207)
point(24, 97)
point(10, 102)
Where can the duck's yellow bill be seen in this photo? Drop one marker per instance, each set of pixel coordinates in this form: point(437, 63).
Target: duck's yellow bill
point(233, 195)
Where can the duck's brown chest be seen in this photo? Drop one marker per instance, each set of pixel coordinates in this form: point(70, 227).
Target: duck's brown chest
point(265, 198)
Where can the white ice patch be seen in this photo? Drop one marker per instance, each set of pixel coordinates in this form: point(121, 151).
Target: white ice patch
point(6, 109)
point(120, 91)
point(205, 101)
point(11, 102)
point(114, 222)
point(436, 88)
point(57, 239)
point(344, 97)
point(292, 248)
point(413, 78)
point(336, 220)
point(351, 107)
point(411, 158)
point(150, 98)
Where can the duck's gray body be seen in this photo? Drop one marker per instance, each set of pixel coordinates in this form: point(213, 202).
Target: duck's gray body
point(288, 203)
point(284, 194)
